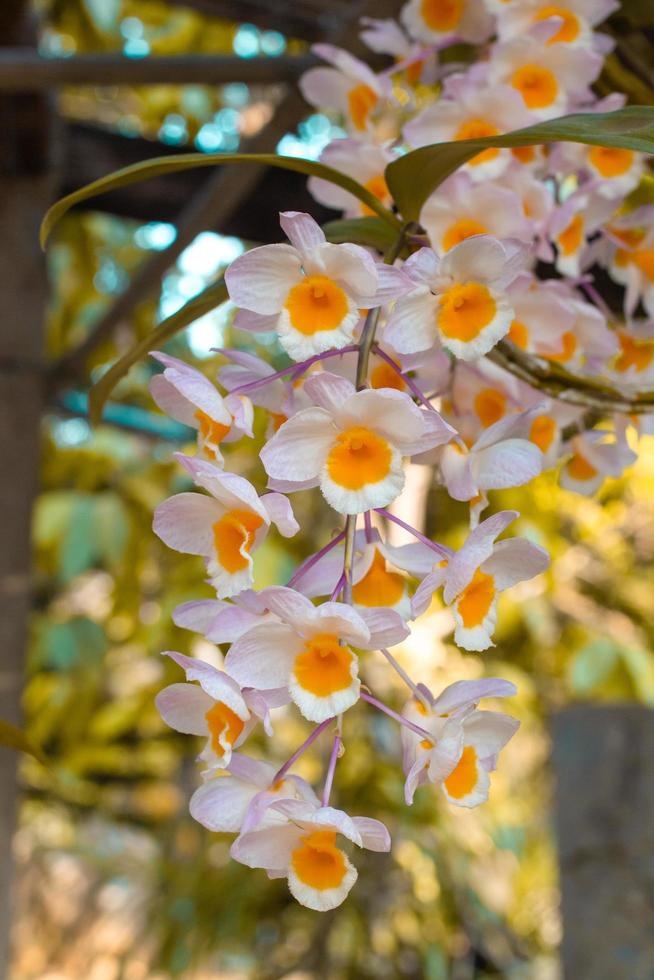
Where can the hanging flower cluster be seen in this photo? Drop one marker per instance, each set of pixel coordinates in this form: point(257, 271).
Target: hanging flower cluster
point(390, 364)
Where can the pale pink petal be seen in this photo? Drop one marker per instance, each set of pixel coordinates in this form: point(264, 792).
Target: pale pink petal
point(476, 549)
point(221, 803)
point(437, 432)
point(185, 523)
point(488, 732)
point(260, 279)
point(270, 848)
point(374, 834)
point(465, 693)
point(256, 322)
point(170, 401)
point(515, 560)
point(301, 230)
point(328, 391)
point(198, 614)
point(386, 626)
point(352, 266)
point(298, 449)
point(423, 595)
point(280, 513)
point(263, 657)
point(184, 707)
point(447, 752)
point(456, 470)
point(411, 327)
point(508, 464)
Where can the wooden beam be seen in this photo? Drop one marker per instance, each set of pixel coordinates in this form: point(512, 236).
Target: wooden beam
point(23, 70)
point(26, 189)
point(91, 153)
point(605, 800)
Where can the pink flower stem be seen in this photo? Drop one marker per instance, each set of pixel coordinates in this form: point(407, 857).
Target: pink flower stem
point(294, 370)
point(367, 522)
point(441, 549)
point(595, 297)
point(396, 716)
point(298, 752)
point(405, 677)
point(339, 588)
point(313, 559)
point(411, 385)
point(331, 769)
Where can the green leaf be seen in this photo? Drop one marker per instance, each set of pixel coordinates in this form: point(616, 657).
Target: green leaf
point(15, 738)
point(158, 166)
point(413, 177)
point(203, 303)
point(371, 231)
point(592, 665)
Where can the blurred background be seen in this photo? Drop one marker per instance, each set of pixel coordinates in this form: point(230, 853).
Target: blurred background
point(112, 880)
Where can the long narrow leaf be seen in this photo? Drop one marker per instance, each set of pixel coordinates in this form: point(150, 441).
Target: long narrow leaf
point(12, 737)
point(158, 166)
point(203, 303)
point(413, 177)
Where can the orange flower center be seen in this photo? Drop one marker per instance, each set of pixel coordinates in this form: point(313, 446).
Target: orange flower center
point(464, 310)
point(316, 304)
point(569, 29)
point(233, 537)
point(324, 666)
point(580, 469)
point(476, 129)
point(634, 353)
point(476, 599)
point(358, 457)
point(538, 86)
point(569, 346)
point(542, 432)
point(571, 238)
point(379, 189)
point(462, 780)
point(223, 721)
point(378, 587)
point(645, 262)
point(361, 101)
point(519, 334)
point(211, 432)
point(490, 405)
point(460, 230)
point(610, 161)
point(318, 863)
point(383, 376)
point(441, 15)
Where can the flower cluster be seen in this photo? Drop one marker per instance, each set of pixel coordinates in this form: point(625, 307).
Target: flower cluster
point(392, 361)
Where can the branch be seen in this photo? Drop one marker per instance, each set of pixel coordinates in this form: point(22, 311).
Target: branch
point(25, 71)
point(566, 387)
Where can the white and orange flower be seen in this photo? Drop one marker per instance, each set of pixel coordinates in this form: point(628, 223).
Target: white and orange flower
point(459, 300)
point(217, 709)
point(304, 850)
point(190, 398)
point(351, 444)
point(473, 109)
point(549, 78)
point(366, 163)
point(460, 209)
point(224, 526)
point(311, 292)
point(438, 20)
point(464, 743)
point(349, 86)
point(308, 651)
point(476, 574)
point(238, 798)
point(596, 455)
